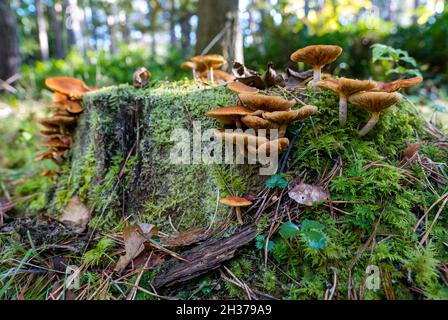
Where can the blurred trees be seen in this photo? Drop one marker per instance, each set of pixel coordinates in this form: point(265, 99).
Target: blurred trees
point(9, 48)
point(269, 29)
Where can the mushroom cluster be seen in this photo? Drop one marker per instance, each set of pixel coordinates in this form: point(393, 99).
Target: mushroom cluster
point(259, 111)
point(206, 68)
point(59, 127)
point(369, 95)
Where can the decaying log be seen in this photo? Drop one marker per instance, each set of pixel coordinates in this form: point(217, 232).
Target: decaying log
point(204, 257)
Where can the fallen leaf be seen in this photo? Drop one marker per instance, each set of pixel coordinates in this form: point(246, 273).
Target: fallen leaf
point(411, 150)
point(295, 78)
point(308, 194)
point(270, 78)
point(76, 214)
point(134, 237)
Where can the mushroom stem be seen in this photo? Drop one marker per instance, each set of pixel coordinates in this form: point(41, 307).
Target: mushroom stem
point(369, 125)
point(238, 215)
point(238, 123)
point(316, 74)
point(210, 75)
point(342, 110)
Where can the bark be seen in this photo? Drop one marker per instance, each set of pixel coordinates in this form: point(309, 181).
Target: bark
point(42, 29)
point(9, 50)
point(205, 257)
point(56, 10)
point(214, 16)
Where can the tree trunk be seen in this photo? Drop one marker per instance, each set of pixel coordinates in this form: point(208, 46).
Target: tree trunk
point(9, 50)
point(214, 16)
point(172, 23)
point(56, 10)
point(185, 29)
point(42, 30)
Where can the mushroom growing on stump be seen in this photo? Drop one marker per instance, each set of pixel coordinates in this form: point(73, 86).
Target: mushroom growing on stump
point(317, 56)
point(70, 87)
point(237, 203)
point(229, 115)
point(195, 67)
point(218, 75)
point(279, 144)
point(345, 88)
point(256, 122)
point(397, 84)
point(374, 102)
point(283, 118)
point(240, 87)
point(211, 61)
point(141, 77)
point(263, 102)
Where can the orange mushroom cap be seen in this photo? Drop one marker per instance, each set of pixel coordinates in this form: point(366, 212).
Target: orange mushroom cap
point(317, 55)
point(240, 87)
point(397, 84)
point(228, 114)
point(257, 101)
point(71, 87)
point(234, 201)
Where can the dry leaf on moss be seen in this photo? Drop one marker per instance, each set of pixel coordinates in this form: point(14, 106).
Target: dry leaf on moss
point(76, 214)
point(308, 194)
point(134, 242)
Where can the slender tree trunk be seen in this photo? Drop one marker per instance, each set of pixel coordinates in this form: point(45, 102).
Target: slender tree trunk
point(172, 23)
point(42, 30)
point(214, 17)
point(71, 23)
point(56, 10)
point(185, 29)
point(9, 49)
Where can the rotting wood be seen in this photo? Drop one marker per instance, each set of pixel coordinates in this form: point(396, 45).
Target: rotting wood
point(205, 257)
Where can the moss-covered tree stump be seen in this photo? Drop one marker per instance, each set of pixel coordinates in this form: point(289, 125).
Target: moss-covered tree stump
point(120, 164)
point(120, 168)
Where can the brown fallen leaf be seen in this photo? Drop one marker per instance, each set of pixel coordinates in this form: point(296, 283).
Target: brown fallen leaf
point(308, 194)
point(134, 242)
point(76, 214)
point(411, 150)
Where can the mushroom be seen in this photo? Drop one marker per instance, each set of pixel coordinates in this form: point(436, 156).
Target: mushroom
point(229, 115)
point(240, 87)
point(237, 203)
point(56, 143)
point(248, 139)
point(195, 67)
point(211, 61)
point(397, 84)
point(345, 88)
point(141, 77)
point(52, 154)
point(280, 145)
point(71, 87)
point(374, 102)
point(57, 121)
point(218, 75)
point(257, 101)
point(256, 122)
point(282, 117)
point(317, 56)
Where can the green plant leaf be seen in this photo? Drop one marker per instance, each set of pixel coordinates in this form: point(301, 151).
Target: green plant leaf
point(311, 225)
point(315, 239)
point(288, 230)
point(260, 243)
point(277, 181)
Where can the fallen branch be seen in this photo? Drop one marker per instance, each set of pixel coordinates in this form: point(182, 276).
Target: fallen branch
point(205, 257)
